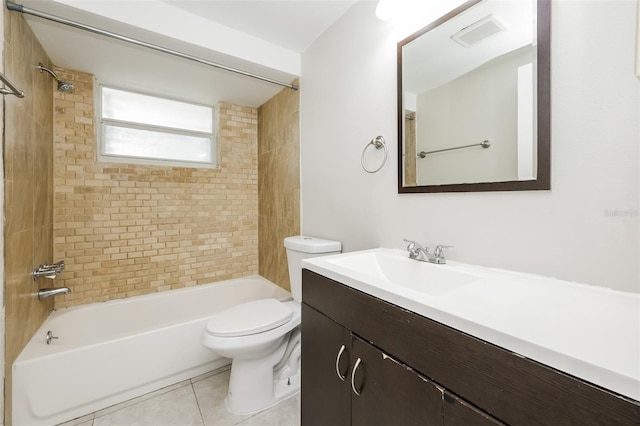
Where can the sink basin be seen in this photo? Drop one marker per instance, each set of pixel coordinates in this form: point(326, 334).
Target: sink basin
point(548, 320)
point(396, 269)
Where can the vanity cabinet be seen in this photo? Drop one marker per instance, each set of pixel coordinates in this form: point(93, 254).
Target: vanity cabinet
point(327, 399)
point(349, 381)
point(414, 370)
point(458, 412)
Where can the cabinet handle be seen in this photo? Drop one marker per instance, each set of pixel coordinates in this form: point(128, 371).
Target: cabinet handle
point(353, 377)
point(340, 376)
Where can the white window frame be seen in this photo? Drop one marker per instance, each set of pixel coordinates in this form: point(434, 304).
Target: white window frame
point(101, 122)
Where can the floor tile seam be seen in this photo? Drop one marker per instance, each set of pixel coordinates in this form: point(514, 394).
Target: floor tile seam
point(79, 420)
point(139, 400)
point(210, 374)
point(195, 395)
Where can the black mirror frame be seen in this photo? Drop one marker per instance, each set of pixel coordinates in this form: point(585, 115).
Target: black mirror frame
point(543, 176)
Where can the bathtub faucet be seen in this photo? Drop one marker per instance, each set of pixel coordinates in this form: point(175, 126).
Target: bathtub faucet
point(49, 337)
point(48, 270)
point(43, 293)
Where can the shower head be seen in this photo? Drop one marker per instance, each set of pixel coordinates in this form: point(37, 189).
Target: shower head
point(63, 86)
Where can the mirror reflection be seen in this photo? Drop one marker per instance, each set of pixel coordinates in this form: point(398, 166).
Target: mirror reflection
point(469, 100)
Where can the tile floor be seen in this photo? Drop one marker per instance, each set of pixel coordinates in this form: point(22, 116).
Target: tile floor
point(199, 401)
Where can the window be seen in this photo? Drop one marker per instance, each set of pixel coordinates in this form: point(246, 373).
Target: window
point(137, 128)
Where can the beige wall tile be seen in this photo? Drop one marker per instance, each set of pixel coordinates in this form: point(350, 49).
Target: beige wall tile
point(126, 229)
point(28, 195)
point(279, 182)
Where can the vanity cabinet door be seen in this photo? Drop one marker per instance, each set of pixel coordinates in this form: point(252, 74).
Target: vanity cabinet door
point(458, 412)
point(390, 393)
point(326, 350)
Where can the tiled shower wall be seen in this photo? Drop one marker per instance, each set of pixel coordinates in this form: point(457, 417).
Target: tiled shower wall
point(126, 230)
point(279, 182)
point(28, 189)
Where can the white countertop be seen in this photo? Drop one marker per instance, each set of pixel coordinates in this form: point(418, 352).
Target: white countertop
point(587, 331)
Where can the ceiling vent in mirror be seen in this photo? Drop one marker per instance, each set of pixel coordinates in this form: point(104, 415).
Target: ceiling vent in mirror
point(478, 31)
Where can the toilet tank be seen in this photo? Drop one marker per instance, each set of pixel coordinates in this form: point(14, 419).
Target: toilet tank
point(303, 247)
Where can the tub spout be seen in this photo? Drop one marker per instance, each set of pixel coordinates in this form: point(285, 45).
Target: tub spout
point(43, 293)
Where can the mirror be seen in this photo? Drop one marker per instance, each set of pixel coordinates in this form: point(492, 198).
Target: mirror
point(474, 100)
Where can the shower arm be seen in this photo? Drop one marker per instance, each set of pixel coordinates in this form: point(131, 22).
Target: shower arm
point(24, 9)
point(53, 74)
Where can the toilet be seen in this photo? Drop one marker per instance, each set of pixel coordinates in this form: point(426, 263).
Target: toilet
point(262, 337)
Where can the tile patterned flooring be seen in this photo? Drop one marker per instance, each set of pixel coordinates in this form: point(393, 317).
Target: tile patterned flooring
point(195, 402)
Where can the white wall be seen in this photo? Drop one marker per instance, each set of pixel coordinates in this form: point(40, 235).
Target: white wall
point(586, 229)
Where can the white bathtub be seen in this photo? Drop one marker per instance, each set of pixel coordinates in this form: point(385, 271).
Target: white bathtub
point(109, 352)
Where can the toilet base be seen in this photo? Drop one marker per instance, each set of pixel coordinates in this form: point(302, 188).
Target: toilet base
point(287, 391)
point(255, 385)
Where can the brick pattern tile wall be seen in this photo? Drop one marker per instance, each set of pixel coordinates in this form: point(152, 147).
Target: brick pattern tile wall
point(126, 229)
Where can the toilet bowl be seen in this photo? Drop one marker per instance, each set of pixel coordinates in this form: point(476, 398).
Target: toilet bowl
point(262, 337)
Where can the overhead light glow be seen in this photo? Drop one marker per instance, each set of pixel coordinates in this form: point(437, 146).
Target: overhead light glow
point(386, 10)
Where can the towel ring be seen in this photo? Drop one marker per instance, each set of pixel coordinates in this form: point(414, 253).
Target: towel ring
point(378, 143)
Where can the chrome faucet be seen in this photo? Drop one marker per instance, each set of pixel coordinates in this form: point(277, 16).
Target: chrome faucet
point(418, 252)
point(48, 270)
point(49, 337)
point(44, 293)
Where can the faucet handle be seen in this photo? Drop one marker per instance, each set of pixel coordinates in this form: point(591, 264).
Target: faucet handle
point(413, 248)
point(414, 244)
point(416, 250)
point(59, 265)
point(437, 252)
point(409, 241)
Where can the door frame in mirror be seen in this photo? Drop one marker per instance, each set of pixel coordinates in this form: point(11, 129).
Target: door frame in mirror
point(543, 85)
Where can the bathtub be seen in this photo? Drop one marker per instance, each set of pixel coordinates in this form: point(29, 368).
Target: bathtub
point(109, 352)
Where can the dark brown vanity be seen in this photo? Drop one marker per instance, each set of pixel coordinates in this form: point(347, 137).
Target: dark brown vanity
point(369, 362)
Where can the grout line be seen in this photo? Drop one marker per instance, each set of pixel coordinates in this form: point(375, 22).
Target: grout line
point(79, 420)
point(137, 400)
point(195, 395)
point(212, 373)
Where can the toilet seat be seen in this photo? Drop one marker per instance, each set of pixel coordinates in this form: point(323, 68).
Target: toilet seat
point(249, 318)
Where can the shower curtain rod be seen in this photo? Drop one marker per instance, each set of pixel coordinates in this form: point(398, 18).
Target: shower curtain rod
point(24, 9)
point(12, 89)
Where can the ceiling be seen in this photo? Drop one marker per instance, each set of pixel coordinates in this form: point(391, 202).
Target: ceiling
point(291, 24)
point(265, 37)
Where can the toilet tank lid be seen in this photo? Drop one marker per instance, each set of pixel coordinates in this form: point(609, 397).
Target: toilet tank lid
point(249, 318)
point(307, 244)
